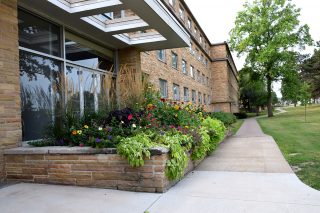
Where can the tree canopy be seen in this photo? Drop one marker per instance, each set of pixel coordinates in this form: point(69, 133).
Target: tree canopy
point(267, 32)
point(310, 71)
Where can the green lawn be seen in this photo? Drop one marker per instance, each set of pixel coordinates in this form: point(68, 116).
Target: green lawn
point(298, 140)
point(236, 126)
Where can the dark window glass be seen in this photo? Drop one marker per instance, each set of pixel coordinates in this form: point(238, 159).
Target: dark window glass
point(38, 34)
point(41, 94)
point(84, 53)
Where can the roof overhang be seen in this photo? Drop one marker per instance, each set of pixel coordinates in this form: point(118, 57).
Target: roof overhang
point(83, 17)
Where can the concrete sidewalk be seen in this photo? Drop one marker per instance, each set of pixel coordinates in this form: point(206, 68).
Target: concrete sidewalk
point(246, 174)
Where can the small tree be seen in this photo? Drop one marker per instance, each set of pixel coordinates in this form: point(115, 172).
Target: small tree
point(267, 32)
point(305, 97)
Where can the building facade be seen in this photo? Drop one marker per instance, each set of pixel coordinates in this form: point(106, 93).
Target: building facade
point(77, 55)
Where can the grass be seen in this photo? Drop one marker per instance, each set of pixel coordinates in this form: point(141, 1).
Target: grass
point(298, 140)
point(236, 126)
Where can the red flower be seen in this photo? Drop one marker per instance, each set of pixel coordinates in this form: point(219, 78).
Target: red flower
point(81, 145)
point(163, 100)
point(153, 119)
point(130, 117)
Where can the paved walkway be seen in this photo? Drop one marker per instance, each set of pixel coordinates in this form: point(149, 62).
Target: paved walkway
point(246, 174)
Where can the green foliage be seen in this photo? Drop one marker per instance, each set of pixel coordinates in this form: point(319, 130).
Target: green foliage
point(212, 132)
point(253, 90)
point(202, 148)
point(311, 72)
point(178, 161)
point(266, 32)
point(135, 149)
point(226, 118)
point(305, 94)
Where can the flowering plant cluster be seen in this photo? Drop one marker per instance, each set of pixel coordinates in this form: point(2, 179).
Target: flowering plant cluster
point(181, 127)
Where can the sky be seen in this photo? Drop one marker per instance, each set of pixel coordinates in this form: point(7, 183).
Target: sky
point(216, 18)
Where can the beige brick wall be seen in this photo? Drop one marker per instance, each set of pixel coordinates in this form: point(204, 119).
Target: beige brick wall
point(225, 85)
point(10, 113)
point(156, 69)
point(94, 170)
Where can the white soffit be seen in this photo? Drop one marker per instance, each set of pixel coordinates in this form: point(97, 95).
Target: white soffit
point(149, 14)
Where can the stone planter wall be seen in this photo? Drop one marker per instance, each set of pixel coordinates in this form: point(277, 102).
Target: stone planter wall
point(88, 167)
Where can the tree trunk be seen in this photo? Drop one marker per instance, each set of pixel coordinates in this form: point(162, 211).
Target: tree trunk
point(269, 90)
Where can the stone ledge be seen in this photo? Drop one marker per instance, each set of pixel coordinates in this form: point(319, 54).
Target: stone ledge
point(72, 150)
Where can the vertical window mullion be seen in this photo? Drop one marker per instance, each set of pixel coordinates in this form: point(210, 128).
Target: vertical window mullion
point(80, 77)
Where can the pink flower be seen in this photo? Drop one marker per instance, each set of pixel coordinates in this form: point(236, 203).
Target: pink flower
point(130, 117)
point(81, 145)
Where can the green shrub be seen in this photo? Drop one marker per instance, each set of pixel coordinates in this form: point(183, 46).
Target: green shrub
point(241, 115)
point(226, 118)
point(135, 149)
point(216, 131)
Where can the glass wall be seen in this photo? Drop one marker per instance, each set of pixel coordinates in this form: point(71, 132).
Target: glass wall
point(52, 82)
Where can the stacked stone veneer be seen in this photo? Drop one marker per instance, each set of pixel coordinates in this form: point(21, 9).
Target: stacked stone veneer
point(10, 114)
point(87, 167)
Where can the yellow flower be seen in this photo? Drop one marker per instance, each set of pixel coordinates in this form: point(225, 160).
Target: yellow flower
point(74, 132)
point(186, 127)
point(79, 132)
point(176, 107)
point(86, 126)
point(150, 106)
point(176, 115)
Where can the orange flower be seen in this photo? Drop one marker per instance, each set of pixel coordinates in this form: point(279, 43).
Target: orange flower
point(176, 107)
point(74, 132)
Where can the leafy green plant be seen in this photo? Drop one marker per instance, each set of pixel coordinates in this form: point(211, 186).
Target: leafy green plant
point(201, 149)
point(226, 118)
point(216, 131)
point(178, 162)
point(135, 149)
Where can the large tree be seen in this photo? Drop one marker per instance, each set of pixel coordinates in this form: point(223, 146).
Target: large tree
point(267, 31)
point(253, 91)
point(311, 72)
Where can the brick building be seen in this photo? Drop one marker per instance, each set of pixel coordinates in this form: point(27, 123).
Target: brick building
point(76, 54)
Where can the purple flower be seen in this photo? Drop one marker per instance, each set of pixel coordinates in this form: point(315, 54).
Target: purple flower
point(108, 129)
point(109, 137)
point(162, 133)
point(98, 140)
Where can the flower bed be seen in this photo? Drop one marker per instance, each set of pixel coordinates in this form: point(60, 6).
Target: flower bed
point(186, 132)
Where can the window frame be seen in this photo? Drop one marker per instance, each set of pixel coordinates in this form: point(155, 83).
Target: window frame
point(176, 87)
point(184, 67)
point(174, 60)
point(165, 88)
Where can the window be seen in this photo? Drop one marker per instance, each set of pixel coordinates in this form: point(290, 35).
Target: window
point(38, 34)
point(181, 12)
point(206, 62)
point(161, 55)
point(198, 76)
point(191, 71)
point(189, 24)
point(199, 98)
point(174, 60)
point(209, 99)
point(194, 97)
point(163, 88)
point(195, 31)
point(186, 94)
point(184, 67)
point(203, 79)
point(207, 82)
point(49, 88)
point(200, 39)
point(204, 99)
point(176, 92)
